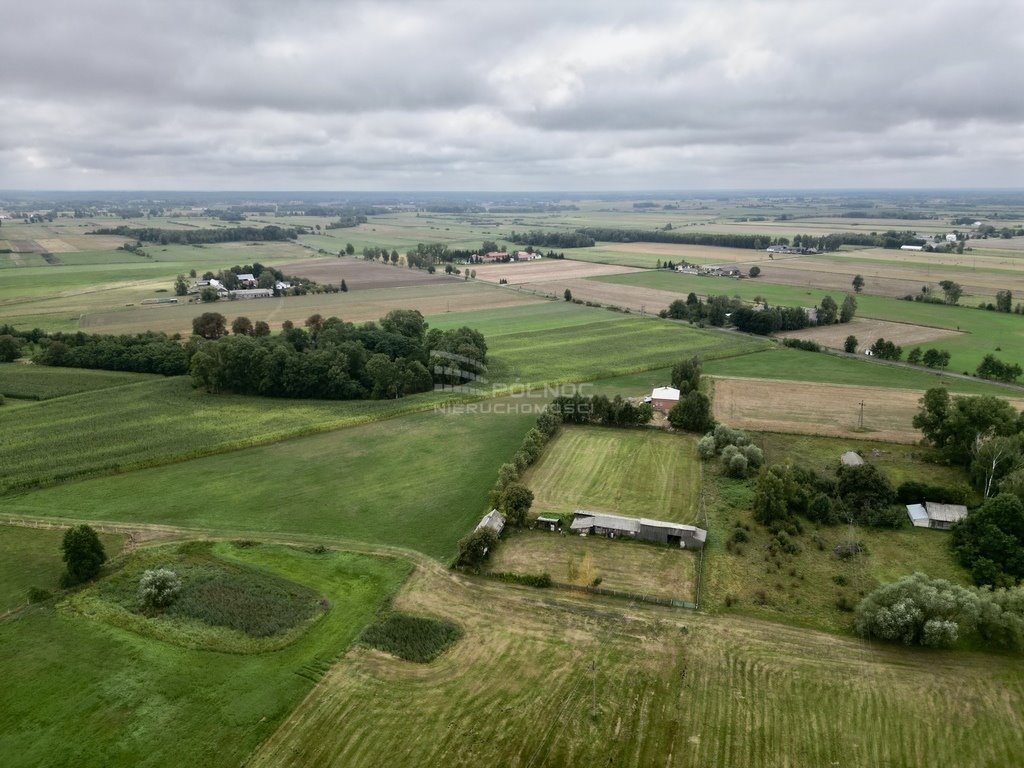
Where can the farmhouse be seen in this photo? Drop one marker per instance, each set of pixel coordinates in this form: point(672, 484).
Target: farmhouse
point(493, 520)
point(688, 269)
point(527, 256)
point(851, 459)
point(247, 279)
point(664, 398)
point(934, 515)
point(494, 256)
point(782, 249)
point(911, 247)
point(614, 526)
point(548, 523)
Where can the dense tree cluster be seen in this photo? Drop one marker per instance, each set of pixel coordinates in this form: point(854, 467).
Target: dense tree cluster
point(599, 409)
point(918, 610)
point(992, 367)
point(860, 495)
point(886, 350)
point(957, 427)
point(332, 359)
point(544, 239)
point(715, 311)
point(142, 353)
point(989, 542)
point(831, 242)
point(200, 236)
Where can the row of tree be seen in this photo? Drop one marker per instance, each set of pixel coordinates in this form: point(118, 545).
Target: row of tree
point(200, 236)
point(830, 242)
point(537, 237)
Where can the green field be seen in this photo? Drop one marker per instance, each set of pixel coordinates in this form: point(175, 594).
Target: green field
point(130, 700)
point(420, 481)
point(984, 332)
point(563, 343)
point(797, 365)
point(638, 473)
point(38, 382)
point(158, 421)
point(32, 558)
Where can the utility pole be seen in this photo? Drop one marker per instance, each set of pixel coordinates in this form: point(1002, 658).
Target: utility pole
point(593, 676)
point(861, 425)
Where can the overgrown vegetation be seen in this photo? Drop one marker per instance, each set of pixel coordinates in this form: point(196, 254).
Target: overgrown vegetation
point(413, 638)
point(918, 610)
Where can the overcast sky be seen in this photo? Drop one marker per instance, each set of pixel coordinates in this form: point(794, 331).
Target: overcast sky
point(493, 95)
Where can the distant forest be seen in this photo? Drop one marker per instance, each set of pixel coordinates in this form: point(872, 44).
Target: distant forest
point(199, 236)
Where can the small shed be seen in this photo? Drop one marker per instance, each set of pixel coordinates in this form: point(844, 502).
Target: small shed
point(944, 515)
point(664, 398)
point(545, 523)
point(493, 520)
point(851, 459)
point(918, 515)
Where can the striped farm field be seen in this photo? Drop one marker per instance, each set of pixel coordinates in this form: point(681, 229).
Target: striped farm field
point(38, 382)
point(640, 473)
point(581, 681)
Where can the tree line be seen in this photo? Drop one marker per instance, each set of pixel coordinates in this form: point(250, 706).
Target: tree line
point(757, 242)
point(537, 237)
point(761, 318)
point(200, 236)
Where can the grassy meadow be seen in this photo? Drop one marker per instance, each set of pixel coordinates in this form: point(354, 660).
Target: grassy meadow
point(638, 473)
point(38, 382)
point(132, 700)
point(32, 557)
point(420, 481)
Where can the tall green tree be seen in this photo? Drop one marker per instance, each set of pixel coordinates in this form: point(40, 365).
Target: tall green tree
point(210, 325)
point(83, 553)
point(858, 283)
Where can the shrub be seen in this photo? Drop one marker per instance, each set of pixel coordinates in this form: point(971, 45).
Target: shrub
point(706, 447)
point(158, 588)
point(38, 595)
point(540, 580)
point(413, 638)
point(804, 344)
point(914, 492)
point(737, 465)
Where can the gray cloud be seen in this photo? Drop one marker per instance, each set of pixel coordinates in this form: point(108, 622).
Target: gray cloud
point(517, 95)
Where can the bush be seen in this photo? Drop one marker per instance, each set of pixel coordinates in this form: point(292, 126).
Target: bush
point(990, 541)
point(804, 344)
point(706, 447)
point(541, 580)
point(413, 638)
point(158, 588)
point(737, 465)
point(39, 595)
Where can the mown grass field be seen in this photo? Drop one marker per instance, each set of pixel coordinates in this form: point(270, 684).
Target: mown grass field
point(420, 481)
point(38, 382)
point(130, 700)
point(32, 557)
point(671, 688)
point(161, 420)
point(633, 472)
point(633, 567)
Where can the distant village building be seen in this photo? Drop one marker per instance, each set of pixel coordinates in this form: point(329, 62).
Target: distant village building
point(688, 269)
point(251, 293)
point(783, 249)
point(664, 398)
point(951, 237)
point(248, 279)
point(911, 247)
point(494, 256)
point(934, 515)
point(527, 256)
point(616, 526)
